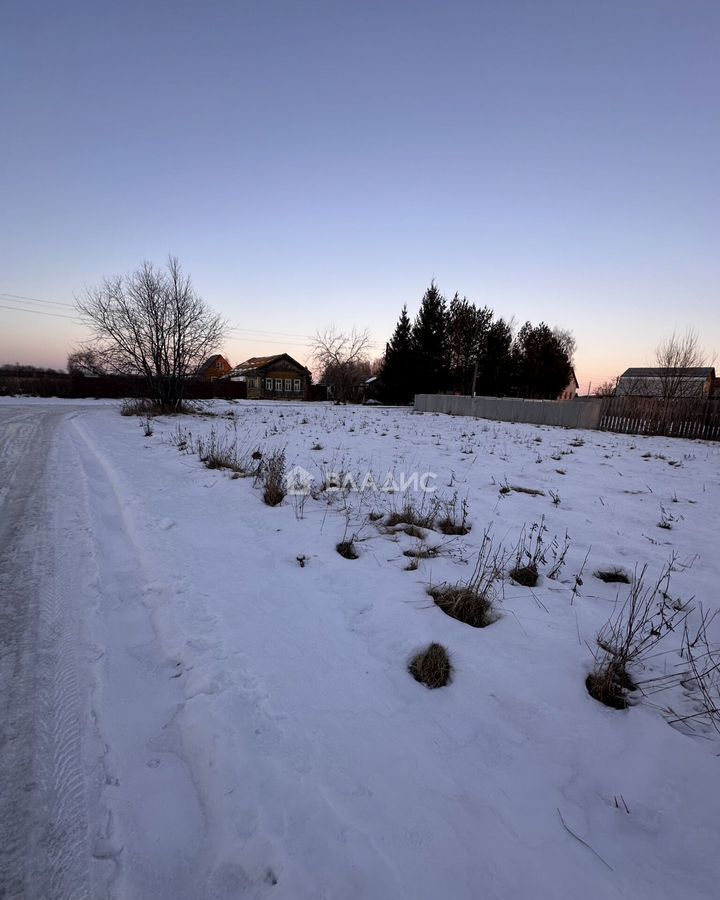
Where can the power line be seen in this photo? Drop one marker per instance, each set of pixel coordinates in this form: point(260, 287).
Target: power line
point(265, 331)
point(233, 330)
point(263, 337)
point(271, 341)
point(239, 334)
point(36, 300)
point(42, 312)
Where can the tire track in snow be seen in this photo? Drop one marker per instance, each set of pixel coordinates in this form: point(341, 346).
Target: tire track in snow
point(157, 821)
point(43, 814)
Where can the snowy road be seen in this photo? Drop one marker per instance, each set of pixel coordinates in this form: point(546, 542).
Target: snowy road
point(63, 545)
point(43, 820)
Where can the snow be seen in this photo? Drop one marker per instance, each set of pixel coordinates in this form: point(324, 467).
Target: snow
point(251, 727)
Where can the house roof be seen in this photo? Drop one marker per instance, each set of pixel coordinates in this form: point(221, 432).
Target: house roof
point(256, 363)
point(574, 377)
point(209, 363)
point(701, 372)
point(259, 362)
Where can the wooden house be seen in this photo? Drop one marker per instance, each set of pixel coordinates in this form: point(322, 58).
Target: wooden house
point(277, 377)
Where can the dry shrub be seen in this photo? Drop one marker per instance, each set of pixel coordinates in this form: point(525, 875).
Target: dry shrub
point(141, 406)
point(647, 615)
point(218, 451)
point(431, 667)
point(138, 407)
point(273, 477)
point(530, 554)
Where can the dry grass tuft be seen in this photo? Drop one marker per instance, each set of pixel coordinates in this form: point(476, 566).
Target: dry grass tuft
point(519, 489)
point(464, 604)
point(610, 687)
point(347, 549)
point(472, 602)
point(454, 520)
point(431, 667)
point(422, 552)
point(447, 526)
point(612, 576)
point(527, 576)
point(420, 512)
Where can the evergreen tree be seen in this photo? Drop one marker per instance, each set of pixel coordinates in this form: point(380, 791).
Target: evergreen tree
point(429, 334)
point(541, 366)
point(398, 371)
point(495, 359)
point(467, 330)
point(462, 343)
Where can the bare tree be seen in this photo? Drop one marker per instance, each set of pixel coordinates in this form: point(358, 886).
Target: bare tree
point(152, 323)
point(674, 356)
point(342, 358)
point(567, 341)
point(607, 388)
point(83, 361)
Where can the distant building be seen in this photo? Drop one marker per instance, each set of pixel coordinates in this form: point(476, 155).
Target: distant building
point(277, 377)
point(214, 367)
point(658, 382)
point(570, 392)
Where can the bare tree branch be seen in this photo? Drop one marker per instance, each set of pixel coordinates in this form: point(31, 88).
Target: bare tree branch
point(673, 356)
point(342, 357)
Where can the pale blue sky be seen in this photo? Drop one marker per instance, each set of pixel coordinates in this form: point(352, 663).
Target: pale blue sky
point(317, 162)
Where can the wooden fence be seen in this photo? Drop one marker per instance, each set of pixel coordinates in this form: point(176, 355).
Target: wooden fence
point(114, 386)
point(687, 417)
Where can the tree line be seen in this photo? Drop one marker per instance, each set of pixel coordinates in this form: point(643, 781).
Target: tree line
point(462, 348)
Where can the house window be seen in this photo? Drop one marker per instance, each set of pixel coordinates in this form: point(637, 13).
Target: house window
point(268, 384)
point(278, 384)
point(297, 385)
point(288, 384)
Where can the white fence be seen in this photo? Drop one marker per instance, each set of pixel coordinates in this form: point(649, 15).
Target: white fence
point(576, 413)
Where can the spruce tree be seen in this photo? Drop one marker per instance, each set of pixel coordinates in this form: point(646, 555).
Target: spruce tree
point(398, 372)
point(429, 334)
point(495, 359)
point(541, 366)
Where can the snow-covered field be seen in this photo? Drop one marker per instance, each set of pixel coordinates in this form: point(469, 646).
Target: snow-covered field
point(251, 729)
